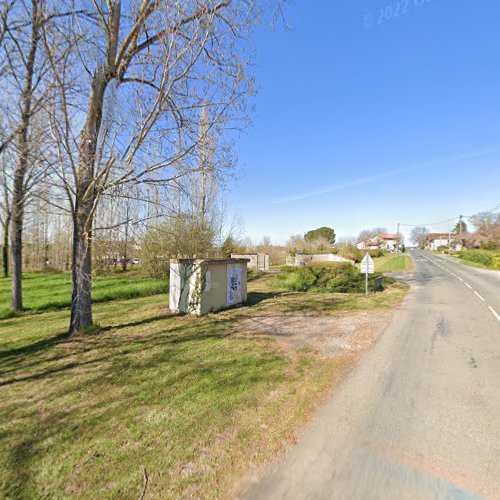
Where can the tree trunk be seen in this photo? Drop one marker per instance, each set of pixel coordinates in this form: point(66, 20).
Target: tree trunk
point(81, 305)
point(125, 245)
point(5, 247)
point(16, 238)
point(86, 195)
point(22, 143)
point(86, 190)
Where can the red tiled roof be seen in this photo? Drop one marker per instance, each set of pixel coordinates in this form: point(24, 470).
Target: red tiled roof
point(438, 236)
point(388, 236)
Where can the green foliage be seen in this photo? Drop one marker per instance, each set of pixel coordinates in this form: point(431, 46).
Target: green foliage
point(326, 233)
point(350, 252)
point(376, 253)
point(325, 264)
point(339, 277)
point(228, 247)
point(483, 257)
point(442, 248)
point(460, 227)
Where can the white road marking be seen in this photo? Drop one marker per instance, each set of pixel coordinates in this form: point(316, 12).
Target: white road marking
point(480, 297)
point(460, 279)
point(494, 313)
point(467, 285)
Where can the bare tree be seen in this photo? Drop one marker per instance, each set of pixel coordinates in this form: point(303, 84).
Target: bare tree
point(163, 62)
point(25, 82)
point(485, 222)
point(28, 84)
point(366, 234)
point(419, 236)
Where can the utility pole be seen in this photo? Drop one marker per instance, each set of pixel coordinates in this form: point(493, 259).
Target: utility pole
point(460, 224)
point(397, 239)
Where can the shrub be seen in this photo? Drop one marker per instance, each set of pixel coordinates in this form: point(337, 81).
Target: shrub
point(329, 264)
point(340, 277)
point(376, 253)
point(490, 245)
point(349, 251)
point(484, 257)
point(442, 248)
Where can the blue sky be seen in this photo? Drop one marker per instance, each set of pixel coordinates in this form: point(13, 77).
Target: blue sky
point(361, 124)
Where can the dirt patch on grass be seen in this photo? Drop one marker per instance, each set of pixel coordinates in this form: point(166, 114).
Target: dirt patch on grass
point(328, 335)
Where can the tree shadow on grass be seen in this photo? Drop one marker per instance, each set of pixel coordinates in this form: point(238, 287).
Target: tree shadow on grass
point(125, 378)
point(43, 352)
point(254, 298)
point(132, 324)
point(40, 345)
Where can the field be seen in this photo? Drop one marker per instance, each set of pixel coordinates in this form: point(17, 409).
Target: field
point(152, 402)
point(394, 263)
point(42, 292)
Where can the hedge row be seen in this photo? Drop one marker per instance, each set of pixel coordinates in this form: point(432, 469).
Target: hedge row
point(484, 257)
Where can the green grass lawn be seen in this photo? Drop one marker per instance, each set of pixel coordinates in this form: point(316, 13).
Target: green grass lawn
point(43, 292)
point(188, 403)
point(394, 263)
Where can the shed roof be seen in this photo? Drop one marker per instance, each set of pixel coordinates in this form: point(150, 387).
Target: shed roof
point(211, 261)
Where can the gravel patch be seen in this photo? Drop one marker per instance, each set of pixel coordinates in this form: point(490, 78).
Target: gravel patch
point(330, 335)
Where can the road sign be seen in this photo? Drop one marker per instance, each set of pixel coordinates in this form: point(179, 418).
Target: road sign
point(367, 265)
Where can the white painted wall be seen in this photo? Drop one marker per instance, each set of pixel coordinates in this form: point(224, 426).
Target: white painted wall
point(303, 260)
point(435, 244)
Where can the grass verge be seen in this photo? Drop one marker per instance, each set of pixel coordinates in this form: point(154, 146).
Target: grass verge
point(190, 403)
point(394, 263)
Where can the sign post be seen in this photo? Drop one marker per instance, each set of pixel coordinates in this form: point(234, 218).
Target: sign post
point(367, 267)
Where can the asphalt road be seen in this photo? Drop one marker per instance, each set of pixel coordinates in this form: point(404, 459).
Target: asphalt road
point(419, 417)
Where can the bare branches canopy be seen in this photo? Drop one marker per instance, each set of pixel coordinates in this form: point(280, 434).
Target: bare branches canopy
point(132, 97)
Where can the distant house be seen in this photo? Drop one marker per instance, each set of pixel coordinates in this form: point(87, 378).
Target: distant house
point(466, 240)
point(388, 242)
point(436, 240)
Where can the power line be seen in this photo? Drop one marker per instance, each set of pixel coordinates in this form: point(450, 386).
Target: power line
point(431, 223)
point(447, 220)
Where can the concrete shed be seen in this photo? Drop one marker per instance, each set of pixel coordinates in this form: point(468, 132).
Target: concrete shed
point(201, 286)
point(256, 260)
